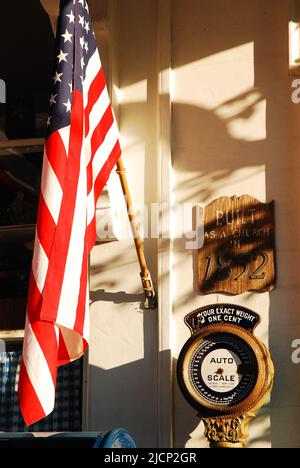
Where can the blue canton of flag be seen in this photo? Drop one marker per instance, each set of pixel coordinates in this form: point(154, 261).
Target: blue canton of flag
point(75, 46)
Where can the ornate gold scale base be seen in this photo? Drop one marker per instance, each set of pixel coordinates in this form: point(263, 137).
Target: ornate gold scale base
point(225, 433)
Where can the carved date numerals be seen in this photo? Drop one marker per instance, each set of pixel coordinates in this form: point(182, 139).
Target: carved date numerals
point(260, 274)
point(236, 268)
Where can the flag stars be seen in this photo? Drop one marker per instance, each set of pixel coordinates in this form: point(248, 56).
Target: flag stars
point(67, 36)
point(57, 77)
point(68, 105)
point(52, 99)
point(62, 57)
point(71, 17)
point(77, 29)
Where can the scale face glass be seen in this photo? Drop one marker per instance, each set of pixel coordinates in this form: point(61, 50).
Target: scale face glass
point(220, 370)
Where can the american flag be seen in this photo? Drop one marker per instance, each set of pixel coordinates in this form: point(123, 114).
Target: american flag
point(81, 149)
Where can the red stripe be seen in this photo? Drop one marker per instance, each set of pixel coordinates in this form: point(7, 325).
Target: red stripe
point(45, 226)
point(57, 261)
point(80, 312)
point(57, 155)
point(105, 172)
point(100, 182)
point(46, 337)
point(30, 406)
point(35, 299)
point(95, 92)
point(97, 139)
point(101, 130)
point(91, 234)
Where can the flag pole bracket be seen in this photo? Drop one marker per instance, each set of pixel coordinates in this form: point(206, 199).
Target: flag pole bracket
point(151, 298)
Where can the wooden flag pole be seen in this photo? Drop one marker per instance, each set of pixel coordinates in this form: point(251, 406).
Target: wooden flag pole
point(151, 299)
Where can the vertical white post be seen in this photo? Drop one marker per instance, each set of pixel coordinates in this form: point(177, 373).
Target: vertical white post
point(165, 371)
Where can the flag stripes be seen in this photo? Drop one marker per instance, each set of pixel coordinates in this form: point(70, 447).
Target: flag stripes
point(81, 150)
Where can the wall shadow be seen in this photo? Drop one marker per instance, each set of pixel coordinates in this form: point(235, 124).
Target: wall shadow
point(124, 388)
point(199, 133)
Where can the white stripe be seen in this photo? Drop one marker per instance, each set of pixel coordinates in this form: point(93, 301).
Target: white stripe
point(40, 264)
point(65, 136)
point(100, 159)
point(92, 70)
point(95, 117)
point(56, 329)
point(66, 316)
point(38, 370)
point(91, 208)
point(51, 189)
point(98, 111)
point(73, 342)
point(105, 150)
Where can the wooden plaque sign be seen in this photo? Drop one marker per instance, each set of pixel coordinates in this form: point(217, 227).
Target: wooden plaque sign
point(238, 254)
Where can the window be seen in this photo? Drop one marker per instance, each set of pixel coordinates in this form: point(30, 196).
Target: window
point(294, 37)
point(67, 413)
point(20, 174)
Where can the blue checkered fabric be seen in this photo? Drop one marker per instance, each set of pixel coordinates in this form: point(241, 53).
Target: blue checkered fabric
point(67, 412)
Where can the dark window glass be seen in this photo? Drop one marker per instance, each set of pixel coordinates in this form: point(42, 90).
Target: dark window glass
point(67, 413)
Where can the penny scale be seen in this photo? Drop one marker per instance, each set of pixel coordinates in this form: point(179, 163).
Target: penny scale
point(225, 372)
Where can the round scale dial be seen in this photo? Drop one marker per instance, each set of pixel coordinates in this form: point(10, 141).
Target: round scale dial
point(222, 370)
